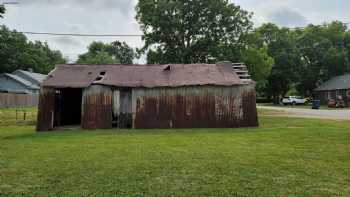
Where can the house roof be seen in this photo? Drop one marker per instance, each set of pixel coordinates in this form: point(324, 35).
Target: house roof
point(14, 91)
point(336, 83)
point(172, 75)
point(39, 78)
point(22, 81)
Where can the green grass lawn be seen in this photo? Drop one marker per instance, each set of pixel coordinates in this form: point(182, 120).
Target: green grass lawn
point(284, 157)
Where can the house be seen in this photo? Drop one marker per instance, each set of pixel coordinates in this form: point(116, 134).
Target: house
point(21, 82)
point(333, 89)
point(147, 96)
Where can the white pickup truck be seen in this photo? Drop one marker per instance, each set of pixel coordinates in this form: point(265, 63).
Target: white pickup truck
point(293, 100)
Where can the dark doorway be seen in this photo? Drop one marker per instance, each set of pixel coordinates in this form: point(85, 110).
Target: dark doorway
point(68, 106)
point(122, 110)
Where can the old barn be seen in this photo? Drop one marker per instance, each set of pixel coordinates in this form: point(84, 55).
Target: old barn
point(147, 96)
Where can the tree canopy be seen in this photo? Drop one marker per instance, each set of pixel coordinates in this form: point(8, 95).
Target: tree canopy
point(325, 51)
point(298, 59)
point(113, 53)
point(2, 10)
point(192, 31)
point(17, 52)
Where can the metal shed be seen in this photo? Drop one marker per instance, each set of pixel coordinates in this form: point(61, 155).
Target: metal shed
point(147, 96)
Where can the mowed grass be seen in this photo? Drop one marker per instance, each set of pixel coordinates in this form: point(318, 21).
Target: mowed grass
point(284, 157)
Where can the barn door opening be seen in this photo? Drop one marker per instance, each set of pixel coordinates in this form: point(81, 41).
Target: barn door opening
point(122, 110)
point(68, 106)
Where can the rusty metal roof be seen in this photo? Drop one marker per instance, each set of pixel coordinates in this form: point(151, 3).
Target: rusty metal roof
point(172, 75)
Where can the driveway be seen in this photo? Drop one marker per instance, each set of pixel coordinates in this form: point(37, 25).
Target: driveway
point(342, 114)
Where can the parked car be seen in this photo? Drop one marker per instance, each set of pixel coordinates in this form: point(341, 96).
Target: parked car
point(333, 103)
point(294, 100)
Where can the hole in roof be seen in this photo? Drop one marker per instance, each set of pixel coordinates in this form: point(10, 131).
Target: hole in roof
point(98, 78)
point(89, 73)
point(102, 72)
point(167, 68)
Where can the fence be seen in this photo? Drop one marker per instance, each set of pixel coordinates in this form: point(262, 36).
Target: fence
point(18, 116)
point(11, 100)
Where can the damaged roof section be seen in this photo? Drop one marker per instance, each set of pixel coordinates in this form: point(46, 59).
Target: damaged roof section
point(171, 75)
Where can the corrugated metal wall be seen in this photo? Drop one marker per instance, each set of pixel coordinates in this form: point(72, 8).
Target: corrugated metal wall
point(46, 109)
point(97, 107)
point(195, 107)
point(180, 107)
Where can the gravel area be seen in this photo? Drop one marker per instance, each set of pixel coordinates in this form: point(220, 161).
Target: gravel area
point(341, 114)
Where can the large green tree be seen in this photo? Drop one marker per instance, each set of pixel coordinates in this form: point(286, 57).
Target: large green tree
point(182, 31)
point(259, 64)
point(303, 58)
point(256, 56)
point(16, 52)
point(282, 55)
point(325, 50)
point(113, 53)
point(121, 51)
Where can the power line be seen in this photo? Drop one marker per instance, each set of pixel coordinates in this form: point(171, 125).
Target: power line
point(301, 28)
point(81, 35)
point(113, 35)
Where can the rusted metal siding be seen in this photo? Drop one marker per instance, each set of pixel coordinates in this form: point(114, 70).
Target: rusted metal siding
point(97, 107)
point(46, 109)
point(195, 107)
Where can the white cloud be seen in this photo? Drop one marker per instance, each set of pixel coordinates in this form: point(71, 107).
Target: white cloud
point(314, 11)
point(287, 17)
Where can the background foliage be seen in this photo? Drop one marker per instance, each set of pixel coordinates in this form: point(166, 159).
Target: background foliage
point(192, 31)
point(113, 53)
point(17, 52)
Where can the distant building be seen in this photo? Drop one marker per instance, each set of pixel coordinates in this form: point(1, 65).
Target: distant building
point(148, 96)
point(21, 82)
point(334, 88)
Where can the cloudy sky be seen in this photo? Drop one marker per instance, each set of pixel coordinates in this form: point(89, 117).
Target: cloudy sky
point(117, 17)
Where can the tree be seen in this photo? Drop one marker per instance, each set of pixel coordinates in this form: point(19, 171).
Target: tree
point(286, 70)
point(181, 31)
point(259, 64)
point(282, 53)
point(16, 52)
point(2, 10)
point(41, 58)
point(122, 51)
point(325, 50)
point(101, 53)
point(98, 59)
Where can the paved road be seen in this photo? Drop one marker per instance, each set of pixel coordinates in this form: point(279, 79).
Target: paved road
point(311, 113)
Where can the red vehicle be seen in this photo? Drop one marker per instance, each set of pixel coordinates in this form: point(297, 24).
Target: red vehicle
point(332, 103)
